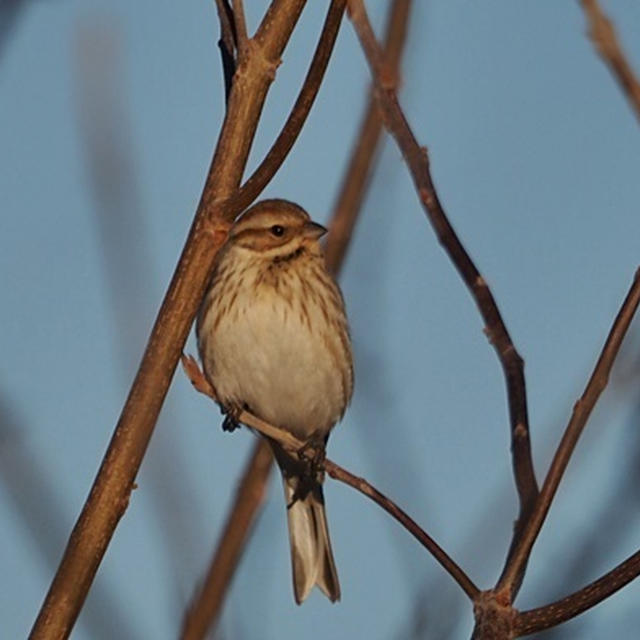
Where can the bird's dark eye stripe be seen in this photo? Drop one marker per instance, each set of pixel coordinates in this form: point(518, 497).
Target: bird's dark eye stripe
point(277, 230)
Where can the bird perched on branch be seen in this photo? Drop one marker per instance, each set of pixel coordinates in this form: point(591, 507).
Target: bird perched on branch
point(273, 339)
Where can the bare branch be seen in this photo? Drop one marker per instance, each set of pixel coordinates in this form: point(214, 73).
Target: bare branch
point(250, 496)
point(227, 44)
point(240, 22)
point(339, 473)
point(603, 36)
point(290, 442)
point(417, 160)
point(114, 482)
point(553, 614)
point(581, 412)
point(252, 188)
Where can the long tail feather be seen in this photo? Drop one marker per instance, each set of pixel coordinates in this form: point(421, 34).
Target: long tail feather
point(311, 555)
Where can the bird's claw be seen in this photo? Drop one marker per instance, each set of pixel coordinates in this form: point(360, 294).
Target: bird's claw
point(231, 421)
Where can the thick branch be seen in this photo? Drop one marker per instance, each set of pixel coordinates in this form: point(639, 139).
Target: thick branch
point(112, 487)
point(290, 442)
point(581, 412)
point(417, 160)
point(603, 36)
point(551, 615)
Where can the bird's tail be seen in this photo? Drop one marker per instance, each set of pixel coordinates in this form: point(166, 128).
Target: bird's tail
point(311, 556)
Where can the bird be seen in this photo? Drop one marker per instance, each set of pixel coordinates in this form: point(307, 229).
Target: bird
point(274, 340)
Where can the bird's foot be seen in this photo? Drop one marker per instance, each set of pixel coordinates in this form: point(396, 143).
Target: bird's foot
point(231, 420)
point(312, 454)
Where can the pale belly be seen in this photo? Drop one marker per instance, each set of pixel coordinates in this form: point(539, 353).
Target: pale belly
point(284, 371)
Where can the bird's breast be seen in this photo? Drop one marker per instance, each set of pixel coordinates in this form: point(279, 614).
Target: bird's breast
point(280, 347)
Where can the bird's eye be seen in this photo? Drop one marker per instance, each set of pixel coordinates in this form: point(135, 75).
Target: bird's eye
point(277, 230)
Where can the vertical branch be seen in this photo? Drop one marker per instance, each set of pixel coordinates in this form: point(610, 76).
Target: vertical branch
point(603, 36)
point(240, 22)
point(347, 208)
point(114, 482)
point(417, 160)
point(227, 44)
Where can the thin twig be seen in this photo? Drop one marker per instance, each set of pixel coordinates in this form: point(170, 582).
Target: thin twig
point(290, 442)
point(348, 207)
point(349, 200)
point(114, 482)
point(240, 22)
point(227, 44)
point(553, 614)
point(581, 412)
point(417, 160)
point(250, 496)
point(276, 155)
point(464, 582)
point(603, 36)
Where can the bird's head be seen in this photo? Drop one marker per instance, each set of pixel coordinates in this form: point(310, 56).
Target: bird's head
point(276, 229)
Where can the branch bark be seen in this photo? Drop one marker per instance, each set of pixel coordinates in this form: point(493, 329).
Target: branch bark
point(227, 44)
point(603, 36)
point(114, 482)
point(551, 615)
point(417, 160)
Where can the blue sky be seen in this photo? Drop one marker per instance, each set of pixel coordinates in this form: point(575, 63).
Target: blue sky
point(108, 116)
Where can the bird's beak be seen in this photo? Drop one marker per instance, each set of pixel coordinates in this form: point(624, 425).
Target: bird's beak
point(313, 230)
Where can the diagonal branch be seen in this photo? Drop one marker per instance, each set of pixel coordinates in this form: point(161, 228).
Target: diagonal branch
point(114, 482)
point(603, 36)
point(553, 614)
point(417, 160)
point(581, 412)
point(290, 442)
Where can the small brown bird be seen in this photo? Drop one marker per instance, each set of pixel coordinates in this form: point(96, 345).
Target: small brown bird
point(273, 339)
